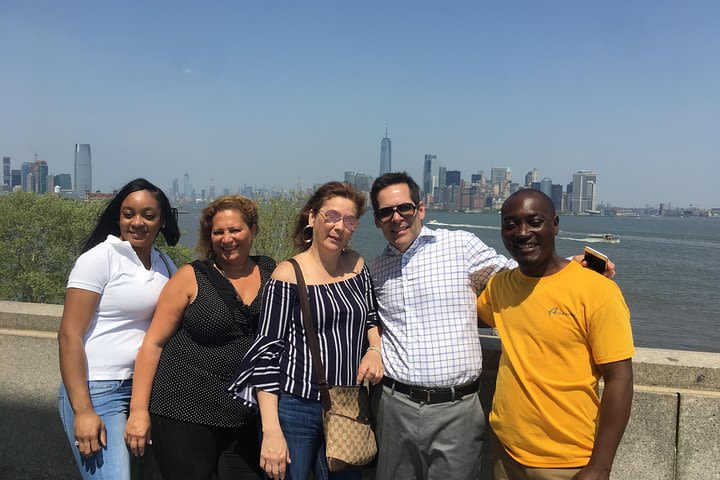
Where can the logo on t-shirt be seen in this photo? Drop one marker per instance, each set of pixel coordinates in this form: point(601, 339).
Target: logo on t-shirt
point(557, 311)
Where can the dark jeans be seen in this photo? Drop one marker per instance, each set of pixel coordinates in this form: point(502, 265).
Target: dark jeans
point(302, 426)
point(190, 451)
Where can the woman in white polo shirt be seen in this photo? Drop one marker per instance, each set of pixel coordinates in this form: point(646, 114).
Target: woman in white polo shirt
point(111, 296)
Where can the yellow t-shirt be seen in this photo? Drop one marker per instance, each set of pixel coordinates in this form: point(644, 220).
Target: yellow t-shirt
point(554, 331)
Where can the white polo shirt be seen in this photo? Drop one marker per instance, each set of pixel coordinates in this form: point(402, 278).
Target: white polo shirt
point(128, 295)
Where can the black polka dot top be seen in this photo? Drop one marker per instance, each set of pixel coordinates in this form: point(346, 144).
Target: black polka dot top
point(199, 360)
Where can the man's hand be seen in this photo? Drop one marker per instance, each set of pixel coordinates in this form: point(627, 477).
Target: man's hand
point(591, 473)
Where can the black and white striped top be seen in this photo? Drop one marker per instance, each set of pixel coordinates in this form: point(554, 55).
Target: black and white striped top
point(280, 358)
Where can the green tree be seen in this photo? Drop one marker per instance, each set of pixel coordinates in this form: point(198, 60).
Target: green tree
point(40, 238)
point(277, 217)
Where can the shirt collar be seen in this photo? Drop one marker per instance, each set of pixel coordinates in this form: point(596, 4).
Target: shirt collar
point(124, 248)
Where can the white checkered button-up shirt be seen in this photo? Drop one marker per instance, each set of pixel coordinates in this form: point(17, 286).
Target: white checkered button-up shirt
point(426, 300)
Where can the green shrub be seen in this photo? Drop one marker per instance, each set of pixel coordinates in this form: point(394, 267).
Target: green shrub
point(277, 217)
point(40, 238)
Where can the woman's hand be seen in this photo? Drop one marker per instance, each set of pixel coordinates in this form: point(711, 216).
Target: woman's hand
point(371, 367)
point(274, 454)
point(90, 433)
point(137, 431)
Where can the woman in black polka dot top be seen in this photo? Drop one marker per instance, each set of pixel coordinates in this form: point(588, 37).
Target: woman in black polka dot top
point(205, 322)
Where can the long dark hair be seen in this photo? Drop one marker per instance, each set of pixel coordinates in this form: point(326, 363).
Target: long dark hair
point(324, 193)
point(108, 222)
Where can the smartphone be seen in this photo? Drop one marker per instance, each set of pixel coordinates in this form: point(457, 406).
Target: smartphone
point(595, 260)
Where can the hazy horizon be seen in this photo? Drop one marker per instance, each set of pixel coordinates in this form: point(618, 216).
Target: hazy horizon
point(291, 95)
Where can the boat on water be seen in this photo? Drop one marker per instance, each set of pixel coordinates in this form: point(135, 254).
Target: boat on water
point(603, 237)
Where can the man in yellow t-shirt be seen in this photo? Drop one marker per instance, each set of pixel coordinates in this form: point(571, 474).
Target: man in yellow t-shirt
point(562, 328)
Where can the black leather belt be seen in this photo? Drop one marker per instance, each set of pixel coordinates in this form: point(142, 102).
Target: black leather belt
point(433, 395)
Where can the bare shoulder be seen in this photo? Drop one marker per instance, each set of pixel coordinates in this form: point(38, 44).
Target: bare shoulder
point(284, 272)
point(183, 281)
point(354, 260)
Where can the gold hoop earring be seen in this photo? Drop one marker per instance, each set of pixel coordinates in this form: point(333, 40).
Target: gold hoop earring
point(309, 239)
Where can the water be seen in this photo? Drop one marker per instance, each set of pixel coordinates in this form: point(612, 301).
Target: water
point(668, 268)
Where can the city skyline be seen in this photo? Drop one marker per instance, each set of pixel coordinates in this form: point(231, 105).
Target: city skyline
point(290, 95)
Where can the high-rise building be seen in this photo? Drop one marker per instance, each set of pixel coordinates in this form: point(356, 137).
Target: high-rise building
point(83, 169)
point(26, 170)
point(40, 176)
point(532, 176)
point(584, 192)
point(63, 181)
point(452, 177)
point(363, 182)
point(556, 194)
point(175, 188)
point(385, 154)
point(6, 172)
point(15, 178)
point(568, 196)
point(350, 177)
point(546, 186)
point(497, 176)
point(477, 178)
point(427, 173)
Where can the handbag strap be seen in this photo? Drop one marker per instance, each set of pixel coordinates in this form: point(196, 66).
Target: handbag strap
point(164, 260)
point(312, 338)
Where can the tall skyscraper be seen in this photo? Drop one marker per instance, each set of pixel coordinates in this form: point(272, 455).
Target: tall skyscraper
point(546, 186)
point(427, 174)
point(350, 177)
point(26, 171)
point(532, 176)
point(6, 172)
point(584, 191)
point(557, 196)
point(385, 154)
point(15, 178)
point(40, 174)
point(452, 177)
point(83, 169)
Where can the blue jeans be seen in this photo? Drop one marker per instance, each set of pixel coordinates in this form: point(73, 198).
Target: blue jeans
point(301, 423)
point(110, 400)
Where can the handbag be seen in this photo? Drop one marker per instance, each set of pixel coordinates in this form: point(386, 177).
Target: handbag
point(349, 436)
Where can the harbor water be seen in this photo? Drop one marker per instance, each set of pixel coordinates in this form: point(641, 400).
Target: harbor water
point(668, 267)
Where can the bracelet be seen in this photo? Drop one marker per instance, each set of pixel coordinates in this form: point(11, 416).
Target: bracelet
point(374, 349)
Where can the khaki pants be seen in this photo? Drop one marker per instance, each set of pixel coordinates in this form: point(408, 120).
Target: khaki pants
point(507, 468)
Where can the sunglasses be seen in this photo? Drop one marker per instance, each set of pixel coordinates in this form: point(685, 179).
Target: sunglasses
point(405, 210)
point(333, 216)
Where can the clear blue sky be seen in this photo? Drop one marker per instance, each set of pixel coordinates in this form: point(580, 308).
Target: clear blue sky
point(289, 93)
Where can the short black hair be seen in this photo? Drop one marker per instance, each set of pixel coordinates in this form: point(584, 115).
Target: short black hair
point(531, 191)
point(108, 222)
point(394, 178)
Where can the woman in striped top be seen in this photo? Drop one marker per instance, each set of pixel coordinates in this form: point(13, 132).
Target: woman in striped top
point(276, 374)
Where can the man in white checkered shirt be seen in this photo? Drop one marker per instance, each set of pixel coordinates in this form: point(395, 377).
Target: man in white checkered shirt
point(430, 423)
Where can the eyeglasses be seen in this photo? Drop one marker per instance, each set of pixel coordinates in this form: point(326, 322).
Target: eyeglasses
point(333, 216)
point(405, 210)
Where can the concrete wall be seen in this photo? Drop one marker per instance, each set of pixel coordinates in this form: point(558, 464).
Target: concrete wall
point(674, 430)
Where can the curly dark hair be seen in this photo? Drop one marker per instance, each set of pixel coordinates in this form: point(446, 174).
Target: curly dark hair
point(324, 193)
point(108, 222)
point(247, 209)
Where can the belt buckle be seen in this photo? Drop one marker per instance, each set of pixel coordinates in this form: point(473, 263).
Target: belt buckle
point(426, 391)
